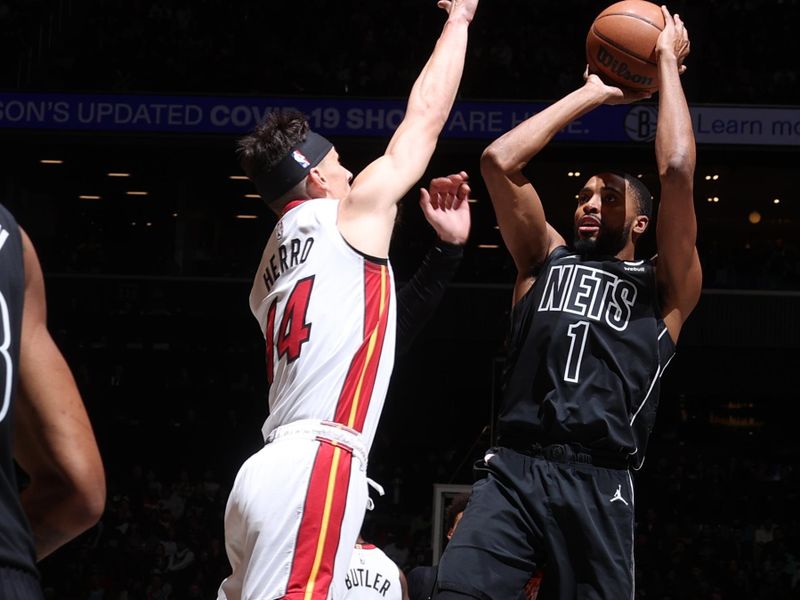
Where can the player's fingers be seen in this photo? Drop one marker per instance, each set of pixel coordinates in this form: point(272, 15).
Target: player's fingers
point(426, 202)
point(586, 73)
point(463, 192)
point(424, 197)
point(682, 70)
point(464, 175)
point(438, 184)
point(455, 181)
point(444, 5)
point(665, 12)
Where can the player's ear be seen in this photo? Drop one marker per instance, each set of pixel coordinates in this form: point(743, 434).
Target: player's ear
point(640, 224)
point(316, 184)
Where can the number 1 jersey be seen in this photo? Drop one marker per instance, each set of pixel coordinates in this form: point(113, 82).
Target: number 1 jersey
point(327, 313)
point(587, 350)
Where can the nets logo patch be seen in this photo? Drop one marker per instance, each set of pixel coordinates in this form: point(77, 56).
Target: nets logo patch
point(300, 159)
point(640, 123)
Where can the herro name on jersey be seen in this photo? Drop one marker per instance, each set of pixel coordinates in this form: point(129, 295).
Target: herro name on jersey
point(290, 254)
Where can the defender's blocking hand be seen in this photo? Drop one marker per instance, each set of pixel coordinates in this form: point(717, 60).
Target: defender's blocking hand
point(446, 207)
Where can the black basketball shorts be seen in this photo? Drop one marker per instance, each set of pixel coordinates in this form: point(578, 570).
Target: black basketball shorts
point(572, 519)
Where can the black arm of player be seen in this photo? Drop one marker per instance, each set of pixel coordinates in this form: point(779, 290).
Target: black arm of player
point(418, 299)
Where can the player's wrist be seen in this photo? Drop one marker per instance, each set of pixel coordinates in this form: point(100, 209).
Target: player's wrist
point(458, 18)
point(594, 94)
point(667, 57)
point(451, 239)
point(450, 248)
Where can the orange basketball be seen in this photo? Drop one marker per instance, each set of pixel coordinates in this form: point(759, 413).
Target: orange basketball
point(621, 44)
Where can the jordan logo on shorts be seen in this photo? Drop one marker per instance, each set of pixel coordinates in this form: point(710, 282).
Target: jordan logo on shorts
point(618, 496)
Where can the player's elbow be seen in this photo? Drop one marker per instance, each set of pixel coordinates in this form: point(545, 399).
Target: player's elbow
point(94, 503)
point(494, 160)
point(84, 494)
point(430, 116)
point(676, 166)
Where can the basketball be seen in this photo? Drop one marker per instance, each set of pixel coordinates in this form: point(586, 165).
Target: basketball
point(621, 44)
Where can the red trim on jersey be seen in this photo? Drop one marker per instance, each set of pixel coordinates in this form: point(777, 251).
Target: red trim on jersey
point(269, 337)
point(353, 404)
point(321, 524)
point(290, 205)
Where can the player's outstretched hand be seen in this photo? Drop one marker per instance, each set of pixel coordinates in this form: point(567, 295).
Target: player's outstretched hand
point(459, 8)
point(674, 39)
point(612, 94)
point(446, 207)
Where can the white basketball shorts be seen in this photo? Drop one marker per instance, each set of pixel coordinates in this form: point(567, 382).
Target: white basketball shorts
point(294, 514)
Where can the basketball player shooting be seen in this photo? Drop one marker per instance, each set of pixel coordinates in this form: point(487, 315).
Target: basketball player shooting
point(592, 331)
point(324, 297)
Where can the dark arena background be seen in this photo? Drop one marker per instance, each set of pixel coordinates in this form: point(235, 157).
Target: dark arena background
point(119, 120)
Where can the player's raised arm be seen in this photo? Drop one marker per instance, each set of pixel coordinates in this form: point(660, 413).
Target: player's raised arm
point(519, 210)
point(54, 442)
point(678, 268)
point(446, 209)
point(366, 216)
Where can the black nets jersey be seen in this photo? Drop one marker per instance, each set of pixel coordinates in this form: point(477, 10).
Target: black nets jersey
point(16, 541)
point(587, 349)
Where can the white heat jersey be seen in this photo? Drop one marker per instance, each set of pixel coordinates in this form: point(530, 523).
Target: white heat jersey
point(328, 316)
point(372, 575)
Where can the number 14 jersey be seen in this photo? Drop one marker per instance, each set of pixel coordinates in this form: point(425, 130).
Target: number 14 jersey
point(327, 313)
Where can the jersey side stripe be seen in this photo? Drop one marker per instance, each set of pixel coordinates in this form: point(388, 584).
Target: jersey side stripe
point(378, 335)
point(353, 404)
point(652, 385)
point(320, 526)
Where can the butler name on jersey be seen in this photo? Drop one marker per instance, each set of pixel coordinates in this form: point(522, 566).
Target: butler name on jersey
point(372, 575)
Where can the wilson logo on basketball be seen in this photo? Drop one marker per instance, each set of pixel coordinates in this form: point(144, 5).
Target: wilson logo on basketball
point(607, 60)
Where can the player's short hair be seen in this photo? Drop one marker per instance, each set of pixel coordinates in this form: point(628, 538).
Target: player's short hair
point(271, 141)
point(279, 154)
point(458, 505)
point(642, 195)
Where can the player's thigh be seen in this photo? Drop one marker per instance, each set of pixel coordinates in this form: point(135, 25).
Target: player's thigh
point(350, 528)
point(598, 525)
point(268, 506)
point(491, 554)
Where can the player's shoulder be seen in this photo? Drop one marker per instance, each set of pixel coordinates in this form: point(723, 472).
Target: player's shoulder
point(7, 218)
point(304, 209)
